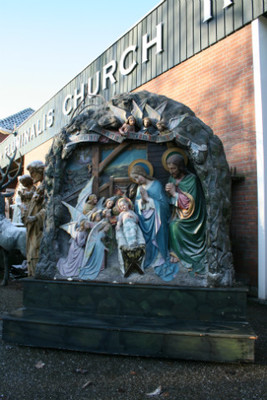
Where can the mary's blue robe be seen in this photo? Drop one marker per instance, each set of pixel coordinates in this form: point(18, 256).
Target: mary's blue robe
point(153, 221)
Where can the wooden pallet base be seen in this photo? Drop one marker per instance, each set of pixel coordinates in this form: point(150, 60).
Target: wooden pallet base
point(132, 332)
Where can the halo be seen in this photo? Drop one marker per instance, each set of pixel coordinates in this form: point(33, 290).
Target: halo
point(124, 198)
point(170, 152)
point(148, 167)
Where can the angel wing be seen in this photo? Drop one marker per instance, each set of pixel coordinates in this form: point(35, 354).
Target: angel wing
point(174, 122)
point(161, 107)
point(119, 113)
point(70, 228)
point(137, 112)
point(154, 115)
point(85, 192)
point(76, 215)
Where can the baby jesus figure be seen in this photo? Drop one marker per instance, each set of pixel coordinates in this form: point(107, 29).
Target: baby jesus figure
point(128, 232)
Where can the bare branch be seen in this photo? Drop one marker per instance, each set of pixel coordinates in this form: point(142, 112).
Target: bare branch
point(6, 178)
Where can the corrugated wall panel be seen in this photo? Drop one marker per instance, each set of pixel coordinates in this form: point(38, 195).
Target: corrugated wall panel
point(204, 28)
point(247, 11)
point(238, 14)
point(190, 25)
point(176, 32)
point(220, 12)
point(197, 26)
point(165, 36)
point(159, 59)
point(257, 8)
point(229, 19)
point(131, 57)
point(125, 78)
point(212, 23)
point(154, 58)
point(145, 29)
point(183, 30)
point(170, 33)
point(120, 83)
point(139, 56)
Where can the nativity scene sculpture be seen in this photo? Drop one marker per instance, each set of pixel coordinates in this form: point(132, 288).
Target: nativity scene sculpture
point(137, 190)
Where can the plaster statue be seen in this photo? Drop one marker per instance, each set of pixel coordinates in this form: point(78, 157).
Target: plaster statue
point(176, 126)
point(148, 127)
point(128, 222)
point(90, 204)
point(187, 226)
point(128, 126)
point(26, 192)
point(70, 266)
point(34, 218)
point(110, 211)
point(162, 128)
point(152, 208)
point(16, 206)
point(95, 251)
point(130, 239)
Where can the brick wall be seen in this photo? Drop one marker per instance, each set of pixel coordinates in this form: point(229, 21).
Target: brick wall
point(217, 84)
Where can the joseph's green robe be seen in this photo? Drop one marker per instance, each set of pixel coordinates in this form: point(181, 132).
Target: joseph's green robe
point(187, 226)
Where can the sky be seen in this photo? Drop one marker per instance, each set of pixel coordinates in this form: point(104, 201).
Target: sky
point(44, 44)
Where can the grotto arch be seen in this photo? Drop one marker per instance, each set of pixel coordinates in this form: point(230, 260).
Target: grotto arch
point(91, 145)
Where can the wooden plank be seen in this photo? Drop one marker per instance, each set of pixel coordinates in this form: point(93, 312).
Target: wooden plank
point(154, 153)
point(189, 28)
point(146, 320)
point(111, 156)
point(238, 14)
point(126, 336)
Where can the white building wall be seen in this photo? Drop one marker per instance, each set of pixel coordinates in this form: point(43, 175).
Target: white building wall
point(259, 37)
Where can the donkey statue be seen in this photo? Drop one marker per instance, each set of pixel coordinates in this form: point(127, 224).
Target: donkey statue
point(11, 236)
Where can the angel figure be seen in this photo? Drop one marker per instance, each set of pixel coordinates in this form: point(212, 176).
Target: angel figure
point(129, 126)
point(162, 128)
point(70, 266)
point(109, 211)
point(95, 252)
point(148, 128)
point(90, 204)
